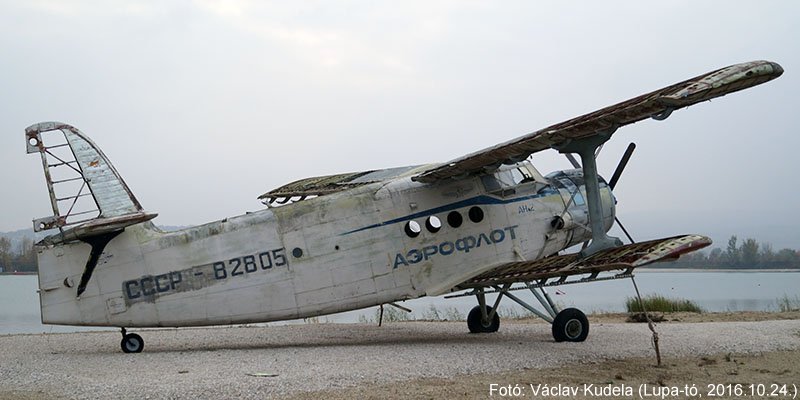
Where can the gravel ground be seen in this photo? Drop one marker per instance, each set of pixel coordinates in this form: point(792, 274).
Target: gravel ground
point(214, 362)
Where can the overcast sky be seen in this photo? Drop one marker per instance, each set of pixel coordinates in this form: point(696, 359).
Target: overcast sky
point(202, 106)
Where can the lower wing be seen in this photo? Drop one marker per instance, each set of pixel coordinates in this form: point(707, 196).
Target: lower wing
point(562, 267)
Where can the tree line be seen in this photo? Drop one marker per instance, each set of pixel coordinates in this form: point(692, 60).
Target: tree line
point(19, 259)
point(747, 254)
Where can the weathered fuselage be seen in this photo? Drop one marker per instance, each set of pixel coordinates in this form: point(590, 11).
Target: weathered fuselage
point(343, 251)
point(379, 241)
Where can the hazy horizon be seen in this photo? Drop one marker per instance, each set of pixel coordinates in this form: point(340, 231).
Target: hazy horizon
point(202, 106)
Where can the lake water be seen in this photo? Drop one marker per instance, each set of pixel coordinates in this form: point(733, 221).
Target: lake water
point(713, 291)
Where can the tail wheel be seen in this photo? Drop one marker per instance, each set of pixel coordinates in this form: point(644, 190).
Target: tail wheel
point(132, 343)
point(476, 323)
point(570, 325)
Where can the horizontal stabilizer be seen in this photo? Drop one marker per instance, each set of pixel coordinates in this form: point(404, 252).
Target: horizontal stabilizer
point(561, 267)
point(97, 227)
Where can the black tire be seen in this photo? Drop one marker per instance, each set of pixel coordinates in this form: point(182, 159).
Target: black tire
point(476, 325)
point(132, 343)
point(570, 325)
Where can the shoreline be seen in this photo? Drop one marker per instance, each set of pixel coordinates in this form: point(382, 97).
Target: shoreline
point(594, 318)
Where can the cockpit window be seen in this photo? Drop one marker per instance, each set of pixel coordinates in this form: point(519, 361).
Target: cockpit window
point(519, 175)
point(506, 178)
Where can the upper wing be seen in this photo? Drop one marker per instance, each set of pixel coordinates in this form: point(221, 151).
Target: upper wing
point(561, 267)
point(658, 104)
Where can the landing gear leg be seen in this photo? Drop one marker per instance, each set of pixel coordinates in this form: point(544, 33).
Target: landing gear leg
point(569, 325)
point(483, 318)
point(131, 342)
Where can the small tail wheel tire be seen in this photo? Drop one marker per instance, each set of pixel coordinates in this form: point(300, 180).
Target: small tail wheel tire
point(132, 343)
point(570, 325)
point(477, 325)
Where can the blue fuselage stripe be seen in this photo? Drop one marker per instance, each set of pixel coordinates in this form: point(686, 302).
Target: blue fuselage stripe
point(473, 201)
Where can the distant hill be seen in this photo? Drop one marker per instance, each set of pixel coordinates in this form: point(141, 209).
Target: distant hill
point(16, 237)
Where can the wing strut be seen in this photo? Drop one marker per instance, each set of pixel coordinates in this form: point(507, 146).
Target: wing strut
point(586, 147)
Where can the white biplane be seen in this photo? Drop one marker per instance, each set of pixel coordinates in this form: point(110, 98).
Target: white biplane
point(487, 222)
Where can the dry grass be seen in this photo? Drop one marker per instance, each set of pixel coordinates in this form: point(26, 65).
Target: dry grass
point(660, 303)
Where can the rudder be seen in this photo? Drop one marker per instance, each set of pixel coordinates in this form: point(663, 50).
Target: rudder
point(82, 172)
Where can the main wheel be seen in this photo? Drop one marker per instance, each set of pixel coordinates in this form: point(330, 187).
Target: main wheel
point(477, 325)
point(132, 343)
point(570, 325)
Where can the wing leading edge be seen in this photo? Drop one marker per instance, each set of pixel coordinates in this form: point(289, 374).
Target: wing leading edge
point(561, 267)
point(658, 105)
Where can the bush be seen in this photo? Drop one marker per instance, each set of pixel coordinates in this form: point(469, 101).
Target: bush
point(449, 314)
point(513, 313)
point(786, 303)
point(392, 314)
point(661, 304)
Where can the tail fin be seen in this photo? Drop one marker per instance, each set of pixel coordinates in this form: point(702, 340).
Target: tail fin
point(86, 192)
